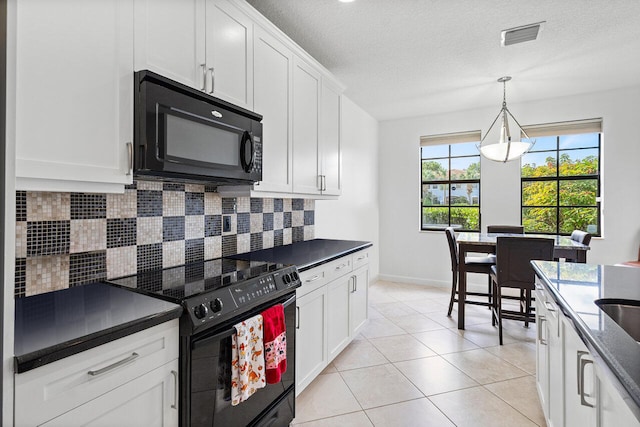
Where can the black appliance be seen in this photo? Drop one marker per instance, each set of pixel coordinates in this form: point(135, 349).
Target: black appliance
point(216, 295)
point(184, 134)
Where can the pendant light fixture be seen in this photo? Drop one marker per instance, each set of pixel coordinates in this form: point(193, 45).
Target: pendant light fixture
point(502, 146)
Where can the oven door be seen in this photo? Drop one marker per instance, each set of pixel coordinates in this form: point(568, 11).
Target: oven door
point(210, 394)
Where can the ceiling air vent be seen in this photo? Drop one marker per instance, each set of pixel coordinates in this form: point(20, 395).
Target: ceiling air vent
point(521, 34)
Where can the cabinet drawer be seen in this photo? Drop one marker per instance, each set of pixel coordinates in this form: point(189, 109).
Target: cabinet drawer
point(360, 258)
point(48, 391)
point(312, 279)
point(339, 268)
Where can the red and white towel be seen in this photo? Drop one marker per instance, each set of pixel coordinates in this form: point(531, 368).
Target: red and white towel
point(247, 359)
point(275, 343)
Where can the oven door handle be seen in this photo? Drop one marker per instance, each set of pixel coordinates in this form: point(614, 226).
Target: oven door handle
point(290, 301)
point(216, 337)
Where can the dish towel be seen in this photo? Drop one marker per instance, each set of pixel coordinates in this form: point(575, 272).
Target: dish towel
point(247, 359)
point(275, 343)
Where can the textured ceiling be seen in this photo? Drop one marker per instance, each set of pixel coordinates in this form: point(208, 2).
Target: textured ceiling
point(405, 58)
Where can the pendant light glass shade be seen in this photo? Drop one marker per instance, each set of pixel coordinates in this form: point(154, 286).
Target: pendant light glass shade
point(506, 146)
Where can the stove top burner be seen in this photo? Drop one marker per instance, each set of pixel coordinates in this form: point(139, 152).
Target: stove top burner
point(179, 283)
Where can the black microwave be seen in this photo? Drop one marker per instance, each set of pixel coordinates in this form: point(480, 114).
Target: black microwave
point(183, 134)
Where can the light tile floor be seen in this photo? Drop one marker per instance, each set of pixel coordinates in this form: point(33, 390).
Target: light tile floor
point(411, 366)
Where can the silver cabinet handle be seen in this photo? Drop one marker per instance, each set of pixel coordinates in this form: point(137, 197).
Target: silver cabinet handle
point(324, 183)
point(213, 80)
point(341, 266)
point(204, 77)
point(361, 258)
point(549, 306)
point(106, 369)
point(355, 283)
point(583, 400)
point(541, 319)
point(297, 317)
point(130, 158)
point(312, 279)
point(175, 396)
point(579, 355)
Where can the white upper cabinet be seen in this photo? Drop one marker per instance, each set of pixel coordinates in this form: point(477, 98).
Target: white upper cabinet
point(204, 44)
point(229, 47)
point(170, 39)
point(73, 91)
point(273, 67)
point(330, 139)
point(306, 97)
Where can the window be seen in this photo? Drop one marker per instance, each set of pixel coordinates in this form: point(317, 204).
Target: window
point(450, 176)
point(561, 178)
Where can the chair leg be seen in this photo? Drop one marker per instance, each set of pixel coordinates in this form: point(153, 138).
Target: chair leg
point(454, 286)
point(497, 303)
point(489, 291)
point(527, 307)
point(493, 306)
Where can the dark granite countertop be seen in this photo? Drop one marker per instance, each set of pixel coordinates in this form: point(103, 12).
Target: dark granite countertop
point(55, 325)
point(307, 254)
point(575, 287)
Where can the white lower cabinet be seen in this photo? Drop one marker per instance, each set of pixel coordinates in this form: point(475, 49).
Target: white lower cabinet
point(332, 309)
point(131, 381)
point(311, 348)
point(573, 390)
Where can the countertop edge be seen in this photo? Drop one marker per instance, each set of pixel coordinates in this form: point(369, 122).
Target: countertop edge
point(334, 256)
point(35, 359)
point(607, 360)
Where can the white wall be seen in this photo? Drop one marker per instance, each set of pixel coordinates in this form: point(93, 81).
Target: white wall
point(407, 254)
point(354, 216)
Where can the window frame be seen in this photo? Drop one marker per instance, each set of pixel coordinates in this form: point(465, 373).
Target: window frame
point(449, 141)
point(558, 179)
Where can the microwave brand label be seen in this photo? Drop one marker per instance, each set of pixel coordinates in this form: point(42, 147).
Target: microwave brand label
point(216, 113)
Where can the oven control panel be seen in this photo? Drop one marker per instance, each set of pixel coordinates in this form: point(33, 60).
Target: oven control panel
point(223, 303)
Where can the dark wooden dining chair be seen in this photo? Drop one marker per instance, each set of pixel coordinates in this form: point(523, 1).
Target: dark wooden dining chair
point(513, 229)
point(513, 270)
point(580, 237)
point(473, 264)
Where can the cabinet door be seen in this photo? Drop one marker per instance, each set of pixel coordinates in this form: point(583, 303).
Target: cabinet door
point(358, 300)
point(542, 353)
point(74, 94)
point(311, 347)
point(579, 380)
point(229, 46)
point(273, 65)
point(169, 39)
point(330, 139)
point(556, 402)
point(614, 412)
point(149, 400)
point(338, 331)
point(306, 90)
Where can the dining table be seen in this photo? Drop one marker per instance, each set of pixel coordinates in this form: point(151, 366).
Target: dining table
point(472, 242)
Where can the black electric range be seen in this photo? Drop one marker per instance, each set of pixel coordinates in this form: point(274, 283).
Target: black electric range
point(216, 295)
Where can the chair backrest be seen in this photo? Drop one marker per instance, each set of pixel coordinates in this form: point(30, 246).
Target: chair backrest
point(513, 229)
point(512, 259)
point(453, 247)
point(581, 237)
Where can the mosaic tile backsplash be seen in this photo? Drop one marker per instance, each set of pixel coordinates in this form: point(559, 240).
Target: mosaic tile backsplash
point(69, 239)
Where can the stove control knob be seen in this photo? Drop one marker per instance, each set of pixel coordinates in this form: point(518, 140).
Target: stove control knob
point(287, 278)
point(200, 311)
point(216, 305)
point(295, 276)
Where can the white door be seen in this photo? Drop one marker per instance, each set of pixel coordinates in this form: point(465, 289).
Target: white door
point(170, 39)
point(330, 139)
point(358, 300)
point(306, 90)
point(579, 380)
point(311, 349)
point(74, 94)
point(273, 65)
point(338, 315)
point(229, 49)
